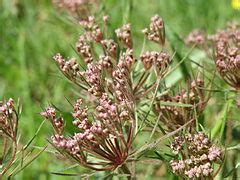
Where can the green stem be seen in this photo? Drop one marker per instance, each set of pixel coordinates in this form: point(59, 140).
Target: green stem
point(238, 99)
point(126, 171)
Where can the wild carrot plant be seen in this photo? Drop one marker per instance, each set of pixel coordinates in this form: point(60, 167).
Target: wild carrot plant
point(115, 91)
point(106, 128)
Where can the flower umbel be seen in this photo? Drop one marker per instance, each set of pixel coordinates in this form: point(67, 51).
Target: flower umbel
point(106, 125)
point(227, 54)
point(198, 155)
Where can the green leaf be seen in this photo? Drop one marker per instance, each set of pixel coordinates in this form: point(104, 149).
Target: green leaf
point(218, 129)
point(231, 171)
point(35, 135)
point(22, 167)
point(178, 45)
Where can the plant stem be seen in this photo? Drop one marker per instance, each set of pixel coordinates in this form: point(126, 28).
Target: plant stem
point(14, 151)
point(126, 171)
point(238, 98)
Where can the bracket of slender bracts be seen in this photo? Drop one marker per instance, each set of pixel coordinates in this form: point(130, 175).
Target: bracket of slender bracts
point(196, 155)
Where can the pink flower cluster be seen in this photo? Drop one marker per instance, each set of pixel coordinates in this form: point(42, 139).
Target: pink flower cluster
point(69, 67)
point(124, 35)
point(200, 157)
point(156, 30)
point(102, 136)
point(78, 8)
point(106, 125)
point(7, 108)
point(8, 119)
point(93, 77)
point(158, 59)
point(196, 37)
point(226, 56)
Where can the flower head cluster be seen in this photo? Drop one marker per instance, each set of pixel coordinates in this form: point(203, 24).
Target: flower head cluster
point(110, 47)
point(79, 8)
point(105, 125)
point(227, 55)
point(93, 31)
point(197, 155)
point(8, 119)
point(175, 112)
point(58, 123)
point(102, 137)
point(196, 37)
point(160, 60)
point(70, 68)
point(124, 35)
point(156, 30)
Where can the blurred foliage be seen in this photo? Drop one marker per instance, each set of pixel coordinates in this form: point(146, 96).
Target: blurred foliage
point(31, 32)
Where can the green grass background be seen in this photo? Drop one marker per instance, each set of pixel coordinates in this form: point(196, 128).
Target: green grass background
point(31, 32)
